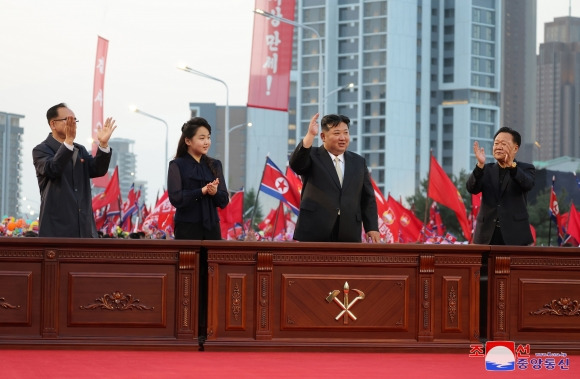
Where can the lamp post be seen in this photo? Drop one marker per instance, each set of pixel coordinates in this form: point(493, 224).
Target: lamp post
point(349, 85)
point(133, 108)
point(227, 145)
point(320, 58)
point(186, 68)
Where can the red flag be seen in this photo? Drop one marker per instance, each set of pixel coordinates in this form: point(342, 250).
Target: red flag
point(101, 181)
point(388, 225)
point(380, 200)
point(232, 213)
point(144, 213)
point(161, 218)
point(112, 193)
point(271, 56)
point(442, 190)
point(99, 88)
point(475, 206)
point(100, 218)
point(409, 226)
point(275, 184)
point(294, 180)
point(533, 230)
point(435, 222)
point(574, 223)
point(274, 223)
point(267, 224)
point(130, 207)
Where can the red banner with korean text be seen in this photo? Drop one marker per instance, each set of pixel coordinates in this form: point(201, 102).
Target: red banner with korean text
point(98, 89)
point(271, 56)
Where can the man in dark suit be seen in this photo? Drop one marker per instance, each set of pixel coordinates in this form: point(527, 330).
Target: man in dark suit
point(503, 217)
point(63, 169)
point(333, 205)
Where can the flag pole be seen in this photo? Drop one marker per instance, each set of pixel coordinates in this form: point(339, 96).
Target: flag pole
point(276, 219)
point(243, 198)
point(257, 194)
point(550, 213)
point(427, 191)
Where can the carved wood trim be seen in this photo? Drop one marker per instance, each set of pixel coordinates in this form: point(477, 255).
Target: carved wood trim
point(425, 332)
point(317, 258)
point(571, 262)
point(236, 301)
point(117, 255)
point(230, 258)
point(264, 311)
point(50, 297)
point(457, 260)
point(212, 301)
point(451, 295)
point(426, 264)
point(187, 260)
point(22, 254)
point(264, 261)
point(501, 305)
point(117, 301)
point(563, 306)
point(502, 265)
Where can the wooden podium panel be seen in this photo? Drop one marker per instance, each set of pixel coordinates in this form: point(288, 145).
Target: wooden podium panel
point(535, 296)
point(327, 296)
point(98, 292)
point(19, 296)
point(314, 303)
point(113, 297)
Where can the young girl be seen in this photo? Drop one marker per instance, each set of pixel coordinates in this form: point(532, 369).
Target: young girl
point(196, 184)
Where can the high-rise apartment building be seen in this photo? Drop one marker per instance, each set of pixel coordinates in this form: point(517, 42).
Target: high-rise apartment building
point(124, 157)
point(558, 90)
point(518, 82)
point(426, 75)
point(10, 160)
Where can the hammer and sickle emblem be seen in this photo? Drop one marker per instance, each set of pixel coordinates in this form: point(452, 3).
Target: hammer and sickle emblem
point(345, 305)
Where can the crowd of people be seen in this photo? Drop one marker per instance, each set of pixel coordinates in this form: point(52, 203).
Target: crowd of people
point(337, 200)
point(12, 227)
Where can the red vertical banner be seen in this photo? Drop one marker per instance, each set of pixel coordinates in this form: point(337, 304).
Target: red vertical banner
point(98, 88)
point(271, 56)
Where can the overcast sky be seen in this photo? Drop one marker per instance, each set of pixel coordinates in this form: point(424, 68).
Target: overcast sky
point(48, 52)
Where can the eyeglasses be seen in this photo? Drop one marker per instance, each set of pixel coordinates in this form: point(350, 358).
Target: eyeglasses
point(64, 119)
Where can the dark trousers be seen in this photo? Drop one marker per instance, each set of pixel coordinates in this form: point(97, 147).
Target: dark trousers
point(496, 239)
point(196, 231)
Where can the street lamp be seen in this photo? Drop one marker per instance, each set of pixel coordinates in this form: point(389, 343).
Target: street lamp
point(320, 58)
point(186, 68)
point(349, 85)
point(227, 145)
point(134, 108)
point(248, 124)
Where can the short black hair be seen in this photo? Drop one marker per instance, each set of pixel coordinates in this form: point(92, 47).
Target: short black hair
point(332, 120)
point(517, 138)
point(52, 112)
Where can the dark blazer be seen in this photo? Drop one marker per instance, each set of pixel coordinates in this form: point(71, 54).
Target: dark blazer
point(507, 204)
point(66, 207)
point(322, 196)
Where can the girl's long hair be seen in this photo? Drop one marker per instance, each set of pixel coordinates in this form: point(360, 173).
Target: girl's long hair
point(188, 130)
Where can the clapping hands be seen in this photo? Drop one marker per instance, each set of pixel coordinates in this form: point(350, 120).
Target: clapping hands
point(211, 188)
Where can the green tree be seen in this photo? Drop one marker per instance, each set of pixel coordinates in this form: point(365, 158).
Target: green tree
point(419, 201)
point(249, 203)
